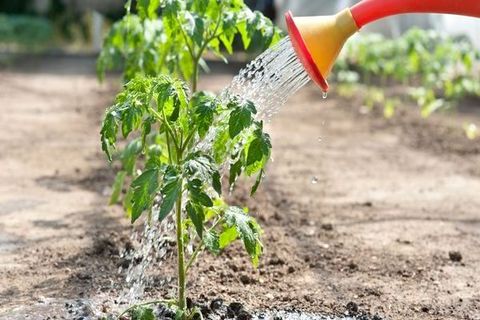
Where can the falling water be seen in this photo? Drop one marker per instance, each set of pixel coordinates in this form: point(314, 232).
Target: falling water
point(154, 244)
point(270, 79)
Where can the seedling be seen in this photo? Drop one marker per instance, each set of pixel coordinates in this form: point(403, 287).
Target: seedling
point(183, 138)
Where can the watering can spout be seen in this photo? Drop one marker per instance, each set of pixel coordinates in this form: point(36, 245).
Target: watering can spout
point(318, 40)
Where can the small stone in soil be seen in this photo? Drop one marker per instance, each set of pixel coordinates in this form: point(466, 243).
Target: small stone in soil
point(246, 279)
point(455, 256)
point(244, 315)
point(216, 304)
point(234, 309)
point(352, 307)
point(327, 226)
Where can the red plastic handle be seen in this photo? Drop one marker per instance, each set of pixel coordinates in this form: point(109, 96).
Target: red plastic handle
point(368, 11)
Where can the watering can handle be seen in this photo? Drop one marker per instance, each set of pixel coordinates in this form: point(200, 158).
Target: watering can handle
point(367, 11)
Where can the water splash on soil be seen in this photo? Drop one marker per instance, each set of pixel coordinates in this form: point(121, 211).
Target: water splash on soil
point(154, 246)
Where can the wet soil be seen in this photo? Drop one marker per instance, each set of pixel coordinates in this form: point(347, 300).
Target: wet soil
point(361, 215)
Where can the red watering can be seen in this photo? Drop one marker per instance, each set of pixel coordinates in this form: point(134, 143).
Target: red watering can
point(318, 40)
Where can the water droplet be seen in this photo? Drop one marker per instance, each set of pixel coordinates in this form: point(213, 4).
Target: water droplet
point(319, 139)
point(325, 95)
point(314, 180)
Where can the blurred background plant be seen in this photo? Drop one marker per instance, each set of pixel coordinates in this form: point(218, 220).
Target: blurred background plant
point(433, 67)
point(434, 70)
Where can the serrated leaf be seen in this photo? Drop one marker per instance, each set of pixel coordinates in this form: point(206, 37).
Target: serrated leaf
point(127, 203)
point(235, 171)
point(211, 242)
point(146, 129)
point(199, 165)
point(147, 8)
point(172, 186)
point(205, 107)
point(240, 118)
point(227, 237)
point(258, 152)
point(197, 195)
point(216, 182)
point(145, 187)
point(196, 214)
point(257, 182)
point(142, 313)
point(117, 186)
point(220, 145)
point(247, 229)
point(108, 133)
point(130, 154)
point(131, 118)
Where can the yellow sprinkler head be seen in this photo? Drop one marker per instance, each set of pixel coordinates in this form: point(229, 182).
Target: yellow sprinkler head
point(318, 41)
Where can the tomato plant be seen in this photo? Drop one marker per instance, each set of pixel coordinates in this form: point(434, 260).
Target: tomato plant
point(440, 69)
point(183, 138)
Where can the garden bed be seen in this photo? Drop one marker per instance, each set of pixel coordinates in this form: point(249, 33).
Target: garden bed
point(361, 214)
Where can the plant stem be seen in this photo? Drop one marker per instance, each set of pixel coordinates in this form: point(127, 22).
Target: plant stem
point(195, 76)
point(182, 301)
point(193, 257)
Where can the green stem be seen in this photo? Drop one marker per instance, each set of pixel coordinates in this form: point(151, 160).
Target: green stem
point(196, 58)
point(182, 301)
point(194, 257)
point(195, 75)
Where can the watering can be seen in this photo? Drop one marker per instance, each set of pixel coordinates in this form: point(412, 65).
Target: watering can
point(318, 40)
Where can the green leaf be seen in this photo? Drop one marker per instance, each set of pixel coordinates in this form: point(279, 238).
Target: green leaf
point(172, 187)
point(130, 154)
point(216, 182)
point(258, 152)
point(127, 203)
point(146, 129)
point(108, 133)
point(131, 119)
point(257, 182)
point(227, 237)
point(197, 195)
point(211, 242)
point(200, 165)
point(141, 313)
point(147, 8)
point(235, 171)
point(247, 229)
point(196, 214)
point(240, 118)
point(205, 106)
point(117, 186)
point(220, 145)
point(145, 187)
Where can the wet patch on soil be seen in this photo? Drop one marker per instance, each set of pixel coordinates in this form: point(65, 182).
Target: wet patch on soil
point(18, 205)
point(98, 180)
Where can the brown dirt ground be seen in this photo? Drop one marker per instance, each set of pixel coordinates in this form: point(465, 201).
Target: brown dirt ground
point(392, 198)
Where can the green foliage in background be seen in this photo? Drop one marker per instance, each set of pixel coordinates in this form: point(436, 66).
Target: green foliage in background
point(174, 38)
point(24, 30)
point(439, 69)
point(180, 140)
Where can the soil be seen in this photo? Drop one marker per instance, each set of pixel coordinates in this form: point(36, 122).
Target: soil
point(361, 215)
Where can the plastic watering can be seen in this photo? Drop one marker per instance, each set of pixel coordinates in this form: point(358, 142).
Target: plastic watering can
point(318, 40)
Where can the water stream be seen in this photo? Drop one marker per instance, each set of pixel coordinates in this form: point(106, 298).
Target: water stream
point(270, 79)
